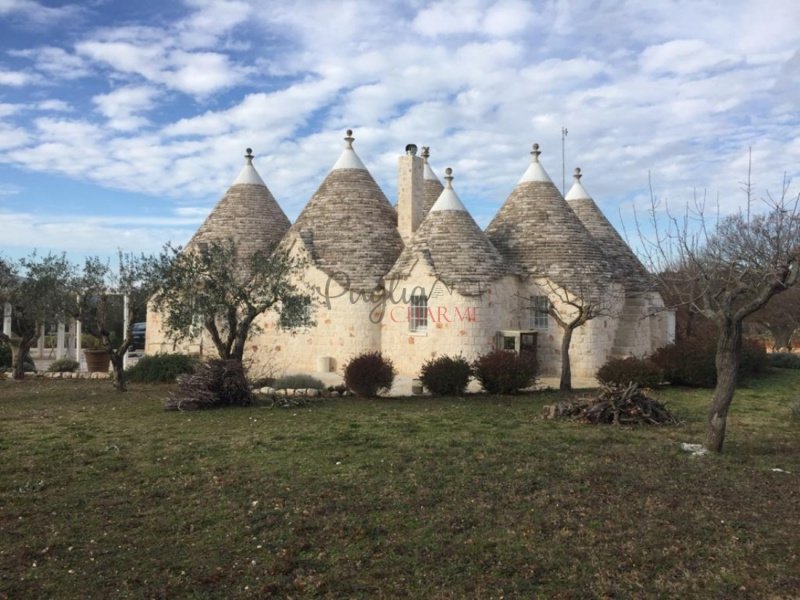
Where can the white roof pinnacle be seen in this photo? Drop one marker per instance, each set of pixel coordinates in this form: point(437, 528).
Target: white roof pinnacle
point(577, 191)
point(248, 174)
point(349, 159)
point(448, 199)
point(535, 171)
point(427, 172)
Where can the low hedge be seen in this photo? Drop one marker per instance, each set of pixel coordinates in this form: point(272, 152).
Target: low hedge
point(161, 368)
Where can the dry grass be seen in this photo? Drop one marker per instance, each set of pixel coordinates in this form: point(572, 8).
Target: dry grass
point(108, 496)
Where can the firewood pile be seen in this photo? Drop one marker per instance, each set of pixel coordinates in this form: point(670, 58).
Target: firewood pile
point(614, 405)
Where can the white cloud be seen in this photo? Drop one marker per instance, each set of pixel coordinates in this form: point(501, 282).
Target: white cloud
point(37, 13)
point(55, 62)
point(54, 105)
point(121, 106)
point(684, 57)
point(15, 78)
point(89, 235)
point(7, 109)
point(194, 73)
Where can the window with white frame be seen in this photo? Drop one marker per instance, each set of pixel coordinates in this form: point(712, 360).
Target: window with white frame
point(418, 313)
point(539, 319)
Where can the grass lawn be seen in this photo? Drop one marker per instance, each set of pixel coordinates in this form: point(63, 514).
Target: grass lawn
point(108, 496)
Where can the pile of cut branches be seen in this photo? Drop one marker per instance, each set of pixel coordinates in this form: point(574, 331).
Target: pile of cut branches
point(214, 383)
point(615, 405)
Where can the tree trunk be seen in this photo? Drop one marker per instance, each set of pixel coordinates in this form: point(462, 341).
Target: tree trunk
point(119, 371)
point(729, 349)
point(19, 350)
point(566, 369)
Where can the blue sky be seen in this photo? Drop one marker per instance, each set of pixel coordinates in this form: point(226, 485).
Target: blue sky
point(123, 123)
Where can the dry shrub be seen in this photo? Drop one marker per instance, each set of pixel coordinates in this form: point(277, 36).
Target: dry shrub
point(215, 383)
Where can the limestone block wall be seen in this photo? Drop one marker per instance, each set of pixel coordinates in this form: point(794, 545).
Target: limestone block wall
point(592, 343)
point(457, 324)
point(157, 342)
point(346, 325)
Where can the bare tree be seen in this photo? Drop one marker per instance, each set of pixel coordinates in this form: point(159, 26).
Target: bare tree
point(726, 269)
point(213, 288)
point(573, 309)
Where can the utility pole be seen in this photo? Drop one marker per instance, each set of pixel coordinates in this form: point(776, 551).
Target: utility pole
point(564, 133)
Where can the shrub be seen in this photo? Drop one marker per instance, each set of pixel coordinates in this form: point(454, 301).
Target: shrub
point(622, 371)
point(754, 359)
point(784, 360)
point(369, 373)
point(298, 382)
point(63, 365)
point(215, 383)
point(691, 361)
point(161, 368)
point(688, 362)
point(446, 375)
point(5, 356)
point(504, 372)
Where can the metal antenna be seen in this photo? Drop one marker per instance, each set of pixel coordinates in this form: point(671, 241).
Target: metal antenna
point(564, 133)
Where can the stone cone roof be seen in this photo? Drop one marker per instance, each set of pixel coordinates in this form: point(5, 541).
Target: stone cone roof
point(348, 227)
point(451, 242)
point(627, 268)
point(431, 186)
point(247, 213)
point(537, 230)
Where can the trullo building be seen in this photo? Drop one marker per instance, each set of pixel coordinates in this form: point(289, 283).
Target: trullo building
point(421, 278)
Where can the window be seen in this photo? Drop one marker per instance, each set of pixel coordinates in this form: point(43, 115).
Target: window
point(539, 319)
point(418, 313)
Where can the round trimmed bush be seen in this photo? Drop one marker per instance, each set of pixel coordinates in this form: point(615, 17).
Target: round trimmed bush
point(504, 371)
point(446, 375)
point(368, 374)
point(622, 371)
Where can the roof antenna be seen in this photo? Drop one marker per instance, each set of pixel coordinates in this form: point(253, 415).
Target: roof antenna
point(564, 133)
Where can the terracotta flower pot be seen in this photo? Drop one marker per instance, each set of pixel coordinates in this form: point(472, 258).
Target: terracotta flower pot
point(97, 361)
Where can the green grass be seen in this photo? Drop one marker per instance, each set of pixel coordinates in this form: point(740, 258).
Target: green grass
point(108, 496)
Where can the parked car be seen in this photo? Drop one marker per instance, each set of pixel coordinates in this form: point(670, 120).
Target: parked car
point(138, 336)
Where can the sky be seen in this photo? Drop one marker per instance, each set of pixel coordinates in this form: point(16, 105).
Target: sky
point(123, 123)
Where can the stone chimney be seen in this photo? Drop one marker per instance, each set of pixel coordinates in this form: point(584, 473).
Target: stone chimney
point(410, 192)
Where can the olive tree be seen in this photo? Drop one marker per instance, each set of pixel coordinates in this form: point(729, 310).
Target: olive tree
point(214, 288)
point(39, 289)
point(99, 289)
point(726, 269)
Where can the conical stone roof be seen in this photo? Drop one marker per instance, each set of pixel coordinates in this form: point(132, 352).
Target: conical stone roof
point(247, 213)
point(536, 230)
point(460, 254)
point(627, 268)
point(431, 186)
point(348, 227)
